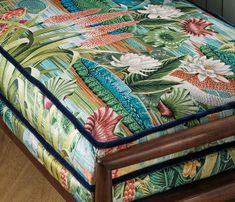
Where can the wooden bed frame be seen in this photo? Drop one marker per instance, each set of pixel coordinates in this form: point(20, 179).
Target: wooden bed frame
point(204, 190)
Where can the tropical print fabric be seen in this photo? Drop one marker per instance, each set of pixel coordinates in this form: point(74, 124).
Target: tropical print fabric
point(58, 171)
point(177, 175)
point(136, 188)
point(94, 77)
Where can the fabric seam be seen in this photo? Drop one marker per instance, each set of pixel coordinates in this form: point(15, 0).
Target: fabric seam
point(146, 170)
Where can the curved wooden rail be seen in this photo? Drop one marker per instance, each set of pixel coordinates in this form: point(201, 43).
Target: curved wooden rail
point(159, 147)
point(186, 139)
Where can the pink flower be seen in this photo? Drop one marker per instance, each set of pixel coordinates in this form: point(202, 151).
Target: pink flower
point(164, 110)
point(71, 16)
point(64, 178)
point(102, 123)
point(197, 27)
point(94, 19)
point(105, 39)
point(47, 103)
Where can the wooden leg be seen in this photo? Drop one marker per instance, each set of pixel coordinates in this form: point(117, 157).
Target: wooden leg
point(103, 191)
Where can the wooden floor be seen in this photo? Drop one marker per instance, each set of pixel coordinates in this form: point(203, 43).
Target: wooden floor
point(20, 181)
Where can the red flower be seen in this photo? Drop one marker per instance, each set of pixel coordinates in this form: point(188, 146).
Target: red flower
point(3, 28)
point(18, 12)
point(197, 27)
point(102, 123)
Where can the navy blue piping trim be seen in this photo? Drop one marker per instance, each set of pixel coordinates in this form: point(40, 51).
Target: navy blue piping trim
point(124, 140)
point(47, 146)
point(47, 93)
point(123, 178)
point(86, 134)
point(172, 162)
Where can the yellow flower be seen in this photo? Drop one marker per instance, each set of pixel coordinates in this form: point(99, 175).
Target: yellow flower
point(190, 168)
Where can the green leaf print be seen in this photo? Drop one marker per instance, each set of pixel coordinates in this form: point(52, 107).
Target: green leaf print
point(151, 86)
point(179, 102)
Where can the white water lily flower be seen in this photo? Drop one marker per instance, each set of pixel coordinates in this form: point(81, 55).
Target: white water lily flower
point(203, 67)
point(137, 64)
point(161, 11)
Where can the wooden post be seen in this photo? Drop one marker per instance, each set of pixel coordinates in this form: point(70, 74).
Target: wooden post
point(103, 191)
